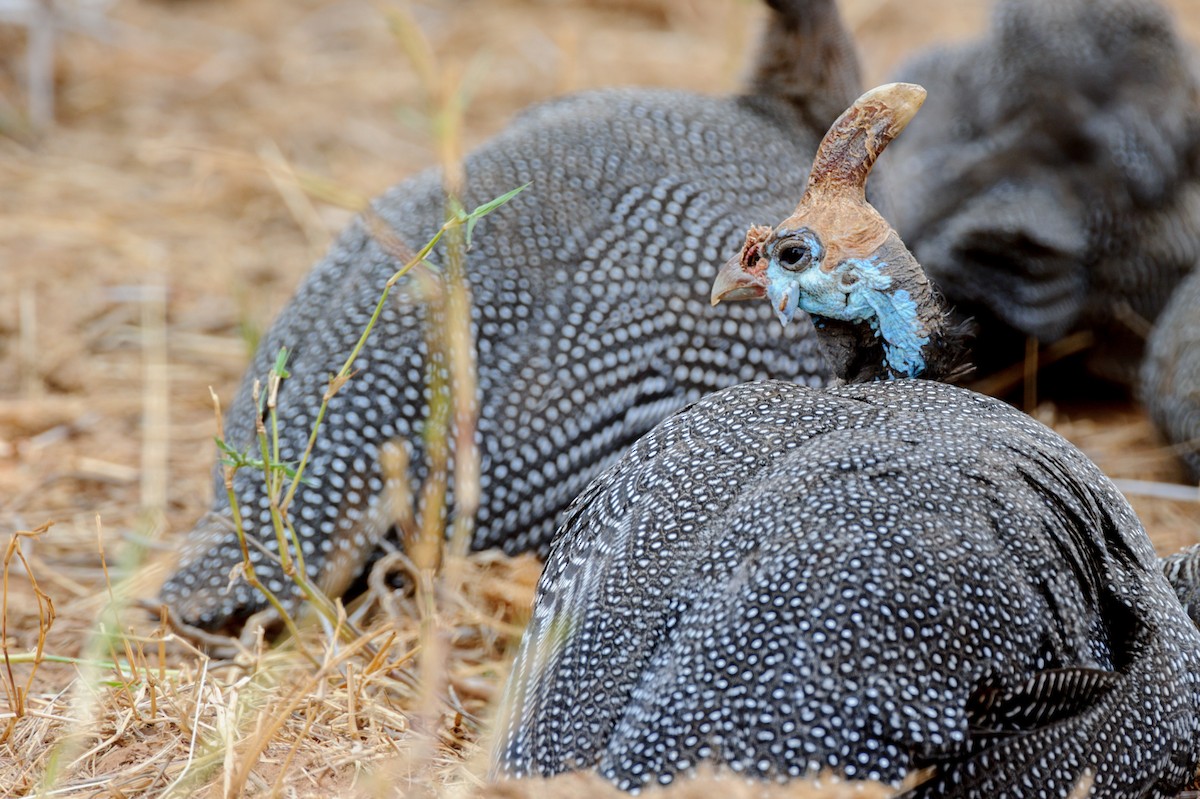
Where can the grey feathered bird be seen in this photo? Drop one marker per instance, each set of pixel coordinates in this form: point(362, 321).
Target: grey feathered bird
point(869, 579)
point(1053, 182)
point(1182, 571)
point(590, 311)
point(1170, 386)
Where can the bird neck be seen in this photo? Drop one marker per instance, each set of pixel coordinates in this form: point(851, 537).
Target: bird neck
point(807, 57)
point(907, 333)
point(857, 353)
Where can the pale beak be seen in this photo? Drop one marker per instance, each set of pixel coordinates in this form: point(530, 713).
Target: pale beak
point(734, 282)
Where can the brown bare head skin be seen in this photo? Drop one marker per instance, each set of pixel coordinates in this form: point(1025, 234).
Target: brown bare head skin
point(876, 312)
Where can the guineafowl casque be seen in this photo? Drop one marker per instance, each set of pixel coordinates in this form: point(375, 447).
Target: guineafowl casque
point(1053, 182)
point(868, 579)
point(1170, 386)
point(643, 187)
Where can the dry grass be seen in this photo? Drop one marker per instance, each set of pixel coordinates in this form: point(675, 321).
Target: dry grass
point(147, 239)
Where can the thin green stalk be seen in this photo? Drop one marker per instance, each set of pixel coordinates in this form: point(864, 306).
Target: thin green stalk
point(252, 576)
point(338, 380)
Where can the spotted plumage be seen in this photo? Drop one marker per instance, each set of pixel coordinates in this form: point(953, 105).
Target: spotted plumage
point(1182, 571)
point(1052, 183)
point(784, 580)
point(871, 579)
point(590, 311)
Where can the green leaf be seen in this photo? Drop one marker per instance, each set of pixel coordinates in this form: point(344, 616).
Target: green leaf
point(244, 460)
point(234, 458)
point(492, 205)
point(456, 210)
point(280, 367)
point(230, 456)
point(487, 208)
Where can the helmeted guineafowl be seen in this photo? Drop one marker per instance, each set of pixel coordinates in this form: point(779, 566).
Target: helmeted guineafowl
point(868, 579)
point(1052, 183)
point(1170, 387)
point(643, 188)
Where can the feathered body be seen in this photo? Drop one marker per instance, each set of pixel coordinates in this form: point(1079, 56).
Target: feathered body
point(872, 578)
point(868, 579)
point(590, 312)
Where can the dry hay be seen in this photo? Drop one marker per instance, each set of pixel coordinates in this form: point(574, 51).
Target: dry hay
point(144, 243)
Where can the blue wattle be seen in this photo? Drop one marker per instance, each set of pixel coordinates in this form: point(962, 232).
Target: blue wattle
point(784, 296)
point(855, 291)
point(896, 320)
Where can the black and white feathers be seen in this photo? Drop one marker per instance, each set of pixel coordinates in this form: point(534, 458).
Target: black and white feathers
point(869, 579)
point(590, 312)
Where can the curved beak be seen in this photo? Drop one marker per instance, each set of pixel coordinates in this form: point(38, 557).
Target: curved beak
point(735, 282)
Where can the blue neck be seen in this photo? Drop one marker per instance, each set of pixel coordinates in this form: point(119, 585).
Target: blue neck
point(856, 291)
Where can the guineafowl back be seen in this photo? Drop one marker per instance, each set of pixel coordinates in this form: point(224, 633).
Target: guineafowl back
point(590, 316)
point(869, 579)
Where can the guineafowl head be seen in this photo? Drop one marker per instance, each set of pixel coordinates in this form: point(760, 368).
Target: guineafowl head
point(837, 259)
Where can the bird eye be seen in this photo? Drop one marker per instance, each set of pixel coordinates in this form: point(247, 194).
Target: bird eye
point(795, 257)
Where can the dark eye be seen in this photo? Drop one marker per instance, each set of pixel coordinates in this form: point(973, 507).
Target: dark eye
point(795, 257)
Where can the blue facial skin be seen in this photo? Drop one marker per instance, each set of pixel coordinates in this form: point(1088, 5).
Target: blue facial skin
point(855, 291)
